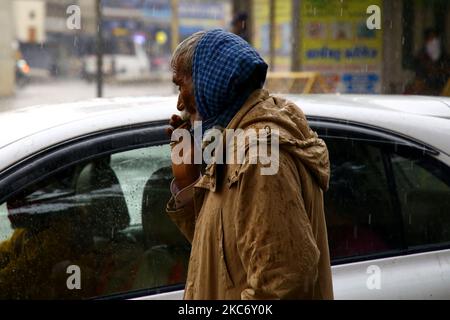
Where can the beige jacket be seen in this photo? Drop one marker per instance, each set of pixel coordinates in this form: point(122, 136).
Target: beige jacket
point(261, 236)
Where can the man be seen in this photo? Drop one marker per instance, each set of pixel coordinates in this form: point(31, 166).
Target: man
point(253, 236)
point(432, 67)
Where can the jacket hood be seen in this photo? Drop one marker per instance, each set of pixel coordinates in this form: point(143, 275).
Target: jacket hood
point(226, 70)
point(295, 135)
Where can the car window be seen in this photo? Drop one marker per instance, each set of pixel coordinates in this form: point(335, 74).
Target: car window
point(97, 228)
point(424, 193)
point(5, 226)
point(133, 169)
point(359, 207)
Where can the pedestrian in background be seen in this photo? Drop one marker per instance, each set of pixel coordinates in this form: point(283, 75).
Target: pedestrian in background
point(432, 66)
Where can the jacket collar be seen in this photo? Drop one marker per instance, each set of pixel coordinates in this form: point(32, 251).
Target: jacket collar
point(209, 178)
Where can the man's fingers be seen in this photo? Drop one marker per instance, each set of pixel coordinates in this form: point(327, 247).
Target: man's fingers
point(175, 118)
point(176, 122)
point(175, 125)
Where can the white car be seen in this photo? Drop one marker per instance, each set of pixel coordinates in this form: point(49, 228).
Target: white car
point(126, 61)
point(101, 168)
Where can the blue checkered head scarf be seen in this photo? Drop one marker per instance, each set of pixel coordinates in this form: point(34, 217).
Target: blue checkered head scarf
point(226, 70)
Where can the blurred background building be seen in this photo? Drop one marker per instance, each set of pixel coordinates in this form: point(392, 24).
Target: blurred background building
point(332, 37)
point(326, 37)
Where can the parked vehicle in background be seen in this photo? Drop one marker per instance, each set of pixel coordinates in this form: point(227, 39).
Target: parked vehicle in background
point(22, 72)
point(124, 59)
point(103, 167)
point(22, 68)
point(38, 61)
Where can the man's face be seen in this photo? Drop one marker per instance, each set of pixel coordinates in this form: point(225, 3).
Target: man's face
point(186, 97)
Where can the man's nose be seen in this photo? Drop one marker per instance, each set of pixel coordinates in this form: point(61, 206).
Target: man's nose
point(180, 105)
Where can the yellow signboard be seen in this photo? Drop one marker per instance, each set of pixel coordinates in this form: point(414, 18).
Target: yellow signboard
point(261, 27)
point(336, 40)
point(282, 35)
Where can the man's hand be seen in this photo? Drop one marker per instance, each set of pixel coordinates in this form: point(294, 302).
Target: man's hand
point(187, 172)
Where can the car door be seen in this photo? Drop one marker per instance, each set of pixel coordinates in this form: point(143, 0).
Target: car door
point(86, 220)
point(387, 215)
point(379, 246)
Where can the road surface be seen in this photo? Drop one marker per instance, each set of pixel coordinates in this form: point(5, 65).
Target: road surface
point(60, 91)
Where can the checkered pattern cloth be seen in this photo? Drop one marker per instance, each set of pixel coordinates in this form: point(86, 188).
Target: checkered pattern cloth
point(223, 64)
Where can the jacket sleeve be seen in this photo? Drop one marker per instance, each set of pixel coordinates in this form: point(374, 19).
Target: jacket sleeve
point(180, 209)
point(183, 217)
point(5, 253)
point(274, 236)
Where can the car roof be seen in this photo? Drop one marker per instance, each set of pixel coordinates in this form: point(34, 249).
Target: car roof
point(419, 105)
point(424, 119)
point(26, 131)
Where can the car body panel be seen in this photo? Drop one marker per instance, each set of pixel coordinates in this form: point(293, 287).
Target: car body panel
point(395, 278)
point(430, 127)
point(427, 120)
point(44, 126)
point(174, 295)
point(51, 125)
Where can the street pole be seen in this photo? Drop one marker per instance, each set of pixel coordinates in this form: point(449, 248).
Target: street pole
point(272, 15)
point(7, 61)
point(175, 25)
point(99, 49)
point(296, 34)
